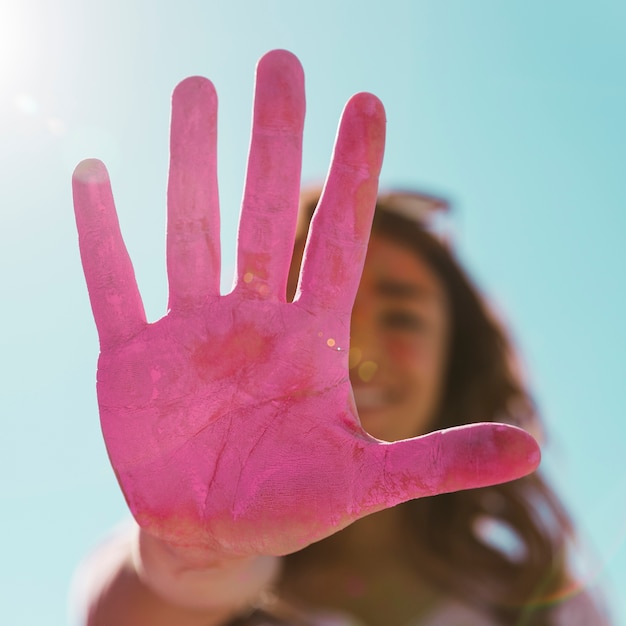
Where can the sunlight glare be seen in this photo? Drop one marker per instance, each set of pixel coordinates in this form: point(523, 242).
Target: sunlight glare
point(16, 45)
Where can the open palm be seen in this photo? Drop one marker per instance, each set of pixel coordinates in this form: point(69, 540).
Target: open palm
point(230, 422)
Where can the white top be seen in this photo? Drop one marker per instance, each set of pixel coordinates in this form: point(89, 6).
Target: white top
point(576, 610)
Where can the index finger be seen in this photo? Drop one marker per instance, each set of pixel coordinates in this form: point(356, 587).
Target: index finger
point(337, 242)
point(115, 299)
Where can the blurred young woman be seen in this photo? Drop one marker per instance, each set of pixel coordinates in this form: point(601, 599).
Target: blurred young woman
point(427, 354)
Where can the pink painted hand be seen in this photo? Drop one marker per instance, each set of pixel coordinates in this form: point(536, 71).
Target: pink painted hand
point(230, 422)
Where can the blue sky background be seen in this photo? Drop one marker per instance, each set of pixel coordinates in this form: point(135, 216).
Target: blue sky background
point(514, 109)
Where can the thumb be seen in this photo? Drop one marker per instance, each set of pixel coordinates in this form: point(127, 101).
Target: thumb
point(465, 457)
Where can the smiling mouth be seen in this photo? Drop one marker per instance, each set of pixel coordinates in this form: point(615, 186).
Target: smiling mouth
point(370, 398)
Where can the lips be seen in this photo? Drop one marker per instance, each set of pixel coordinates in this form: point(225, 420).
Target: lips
point(370, 398)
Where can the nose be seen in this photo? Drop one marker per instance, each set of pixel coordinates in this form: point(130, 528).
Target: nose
point(365, 348)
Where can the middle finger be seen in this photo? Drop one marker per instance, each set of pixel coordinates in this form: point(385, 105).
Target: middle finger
point(269, 211)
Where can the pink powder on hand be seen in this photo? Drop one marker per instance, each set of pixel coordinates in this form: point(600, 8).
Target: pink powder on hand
point(230, 422)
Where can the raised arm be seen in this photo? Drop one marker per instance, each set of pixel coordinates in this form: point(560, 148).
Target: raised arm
point(230, 422)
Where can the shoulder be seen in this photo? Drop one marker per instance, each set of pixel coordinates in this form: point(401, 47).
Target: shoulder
point(580, 609)
point(98, 568)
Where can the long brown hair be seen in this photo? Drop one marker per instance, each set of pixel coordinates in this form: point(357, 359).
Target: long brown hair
point(454, 543)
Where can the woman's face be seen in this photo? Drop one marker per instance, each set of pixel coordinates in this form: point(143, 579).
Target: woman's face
point(399, 342)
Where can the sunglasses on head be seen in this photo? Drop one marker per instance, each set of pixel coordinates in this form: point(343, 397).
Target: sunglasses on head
point(432, 213)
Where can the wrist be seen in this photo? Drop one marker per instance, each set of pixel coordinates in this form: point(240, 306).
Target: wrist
point(200, 579)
